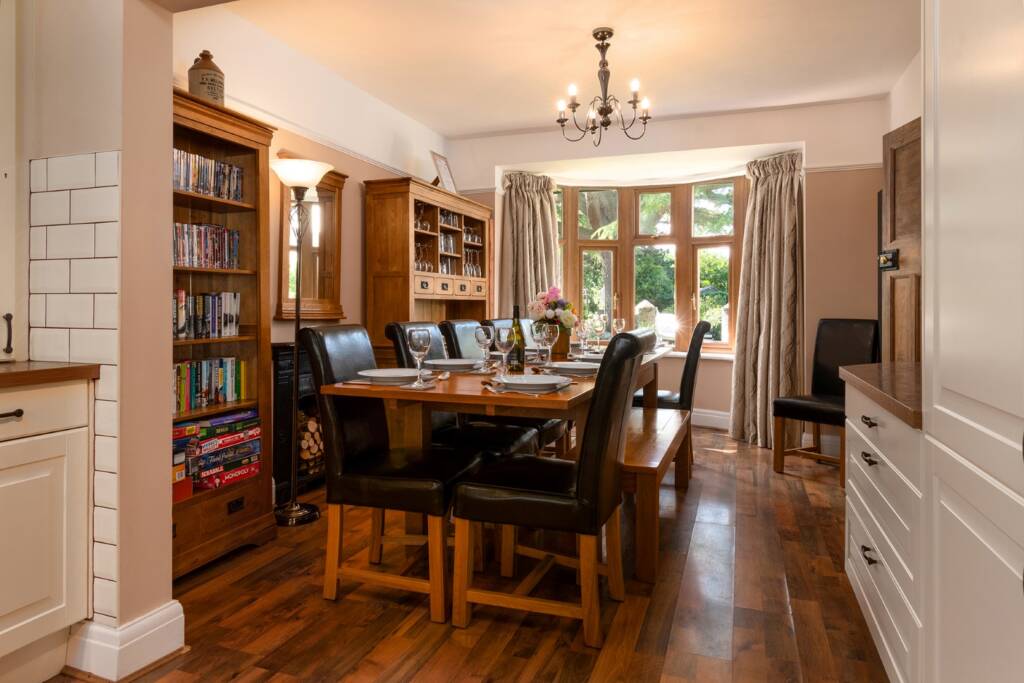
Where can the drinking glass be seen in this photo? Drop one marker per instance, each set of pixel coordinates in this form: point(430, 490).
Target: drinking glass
point(419, 345)
point(595, 328)
point(504, 341)
point(484, 337)
point(618, 325)
point(544, 335)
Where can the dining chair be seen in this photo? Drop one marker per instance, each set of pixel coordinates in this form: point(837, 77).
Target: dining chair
point(526, 325)
point(839, 341)
point(491, 437)
point(363, 469)
point(581, 497)
point(459, 337)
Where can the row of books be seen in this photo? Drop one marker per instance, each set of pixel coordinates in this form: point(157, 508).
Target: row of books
point(213, 453)
point(203, 383)
point(202, 245)
point(196, 173)
point(205, 316)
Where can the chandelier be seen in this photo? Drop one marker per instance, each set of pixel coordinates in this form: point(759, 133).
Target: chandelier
point(604, 107)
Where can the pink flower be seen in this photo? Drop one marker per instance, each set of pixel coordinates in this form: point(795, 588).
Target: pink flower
point(553, 294)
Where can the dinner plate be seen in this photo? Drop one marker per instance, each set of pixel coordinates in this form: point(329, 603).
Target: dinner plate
point(576, 368)
point(453, 364)
point(590, 357)
point(389, 375)
point(533, 381)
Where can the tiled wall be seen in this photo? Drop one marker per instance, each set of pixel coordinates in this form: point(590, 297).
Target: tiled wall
point(74, 278)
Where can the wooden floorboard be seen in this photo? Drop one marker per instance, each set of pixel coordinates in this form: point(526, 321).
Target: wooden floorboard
point(750, 588)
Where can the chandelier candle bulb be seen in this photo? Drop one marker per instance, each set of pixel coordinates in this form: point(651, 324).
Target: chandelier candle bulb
point(634, 86)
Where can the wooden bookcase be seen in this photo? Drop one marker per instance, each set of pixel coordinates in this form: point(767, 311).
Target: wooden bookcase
point(214, 522)
point(408, 221)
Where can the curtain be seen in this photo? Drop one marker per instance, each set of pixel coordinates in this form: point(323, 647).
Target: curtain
point(529, 250)
point(768, 318)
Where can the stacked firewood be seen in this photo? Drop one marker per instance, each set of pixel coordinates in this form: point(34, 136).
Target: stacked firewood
point(311, 444)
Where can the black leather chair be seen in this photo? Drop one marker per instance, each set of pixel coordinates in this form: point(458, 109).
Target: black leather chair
point(459, 337)
point(362, 468)
point(682, 399)
point(527, 327)
point(547, 493)
point(493, 438)
point(840, 341)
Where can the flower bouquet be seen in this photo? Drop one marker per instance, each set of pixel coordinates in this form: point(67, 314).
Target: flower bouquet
point(552, 307)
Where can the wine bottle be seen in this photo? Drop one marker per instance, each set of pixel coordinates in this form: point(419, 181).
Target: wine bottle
point(517, 356)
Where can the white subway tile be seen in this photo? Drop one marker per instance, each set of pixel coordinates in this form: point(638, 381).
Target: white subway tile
point(108, 168)
point(106, 311)
point(94, 346)
point(104, 596)
point(70, 241)
point(106, 418)
point(37, 243)
point(49, 208)
point(37, 175)
point(45, 277)
point(45, 344)
point(94, 275)
point(69, 310)
point(95, 205)
point(106, 454)
point(108, 239)
point(67, 173)
point(105, 489)
point(104, 561)
point(37, 310)
point(104, 525)
point(106, 387)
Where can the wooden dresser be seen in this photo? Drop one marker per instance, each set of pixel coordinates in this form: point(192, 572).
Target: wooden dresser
point(428, 257)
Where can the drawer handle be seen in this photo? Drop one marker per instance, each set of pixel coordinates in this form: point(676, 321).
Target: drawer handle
point(16, 413)
point(866, 457)
point(444, 286)
point(424, 284)
point(868, 421)
point(462, 288)
point(864, 550)
point(7, 319)
point(236, 505)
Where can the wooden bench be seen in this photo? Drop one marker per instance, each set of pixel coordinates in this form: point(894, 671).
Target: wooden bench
point(655, 438)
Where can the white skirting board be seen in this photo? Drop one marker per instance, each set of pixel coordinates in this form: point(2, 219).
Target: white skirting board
point(715, 419)
point(116, 652)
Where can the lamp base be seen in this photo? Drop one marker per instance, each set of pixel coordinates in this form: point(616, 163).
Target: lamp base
point(296, 514)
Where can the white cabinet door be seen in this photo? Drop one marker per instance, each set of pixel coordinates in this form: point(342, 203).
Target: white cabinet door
point(8, 269)
point(44, 527)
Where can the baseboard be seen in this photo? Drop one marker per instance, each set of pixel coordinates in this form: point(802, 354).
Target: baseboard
point(715, 419)
point(116, 653)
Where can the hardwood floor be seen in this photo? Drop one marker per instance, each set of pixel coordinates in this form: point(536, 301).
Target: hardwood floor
point(750, 588)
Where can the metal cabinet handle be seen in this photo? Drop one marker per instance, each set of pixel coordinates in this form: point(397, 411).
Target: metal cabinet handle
point(868, 421)
point(7, 347)
point(16, 413)
point(866, 457)
point(424, 284)
point(864, 550)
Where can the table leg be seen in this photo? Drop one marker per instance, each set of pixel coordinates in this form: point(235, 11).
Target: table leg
point(651, 388)
point(409, 427)
point(646, 532)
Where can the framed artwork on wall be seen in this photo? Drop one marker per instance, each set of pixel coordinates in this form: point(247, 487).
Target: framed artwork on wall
point(444, 173)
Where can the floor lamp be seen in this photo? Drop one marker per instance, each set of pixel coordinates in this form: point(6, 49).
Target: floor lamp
point(300, 175)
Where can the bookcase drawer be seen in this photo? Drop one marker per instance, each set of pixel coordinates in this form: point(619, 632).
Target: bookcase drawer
point(45, 408)
point(423, 284)
point(462, 287)
point(478, 290)
point(235, 504)
point(445, 286)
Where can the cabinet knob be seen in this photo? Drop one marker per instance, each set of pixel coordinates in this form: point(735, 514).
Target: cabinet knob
point(424, 284)
point(864, 550)
point(866, 457)
point(868, 421)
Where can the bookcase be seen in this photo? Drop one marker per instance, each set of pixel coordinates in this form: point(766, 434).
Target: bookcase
point(429, 257)
point(234, 200)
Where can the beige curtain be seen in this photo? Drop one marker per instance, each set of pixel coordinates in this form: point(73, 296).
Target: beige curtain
point(768, 318)
point(529, 255)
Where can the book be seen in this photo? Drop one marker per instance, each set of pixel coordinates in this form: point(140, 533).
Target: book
point(187, 430)
point(195, 173)
point(211, 381)
point(213, 443)
point(227, 478)
point(207, 315)
point(226, 467)
point(197, 463)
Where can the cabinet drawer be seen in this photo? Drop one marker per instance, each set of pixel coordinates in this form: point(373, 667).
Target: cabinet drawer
point(895, 627)
point(893, 437)
point(462, 287)
point(478, 289)
point(423, 284)
point(445, 286)
point(46, 408)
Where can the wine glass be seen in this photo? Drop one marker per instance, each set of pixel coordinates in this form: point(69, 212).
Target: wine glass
point(618, 325)
point(595, 328)
point(484, 337)
point(419, 345)
point(543, 337)
point(504, 340)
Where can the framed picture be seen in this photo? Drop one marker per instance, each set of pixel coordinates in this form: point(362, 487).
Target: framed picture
point(444, 173)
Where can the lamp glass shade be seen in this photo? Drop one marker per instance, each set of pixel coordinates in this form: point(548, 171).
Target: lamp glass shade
point(300, 172)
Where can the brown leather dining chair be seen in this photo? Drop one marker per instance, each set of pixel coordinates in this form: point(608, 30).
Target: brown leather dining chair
point(363, 469)
point(580, 497)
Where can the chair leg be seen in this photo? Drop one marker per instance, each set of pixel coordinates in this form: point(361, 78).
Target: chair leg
point(461, 609)
point(436, 546)
point(613, 555)
point(816, 437)
point(508, 550)
point(478, 546)
point(376, 533)
point(842, 457)
point(589, 590)
point(779, 456)
point(332, 560)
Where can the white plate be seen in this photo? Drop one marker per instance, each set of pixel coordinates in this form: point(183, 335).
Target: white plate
point(590, 357)
point(389, 375)
point(571, 368)
point(533, 381)
point(453, 364)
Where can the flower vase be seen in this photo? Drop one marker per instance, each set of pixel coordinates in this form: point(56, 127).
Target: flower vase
point(560, 350)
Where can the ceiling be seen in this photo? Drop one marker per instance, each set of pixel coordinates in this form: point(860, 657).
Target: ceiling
point(466, 67)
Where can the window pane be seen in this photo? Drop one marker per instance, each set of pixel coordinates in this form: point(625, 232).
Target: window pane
point(597, 284)
point(713, 291)
point(712, 209)
point(599, 214)
point(559, 212)
point(656, 213)
point(654, 279)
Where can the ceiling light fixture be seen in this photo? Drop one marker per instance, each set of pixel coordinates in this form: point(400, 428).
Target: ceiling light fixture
point(604, 106)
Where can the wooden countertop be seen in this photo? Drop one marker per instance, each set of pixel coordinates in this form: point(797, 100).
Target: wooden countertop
point(24, 373)
point(894, 386)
